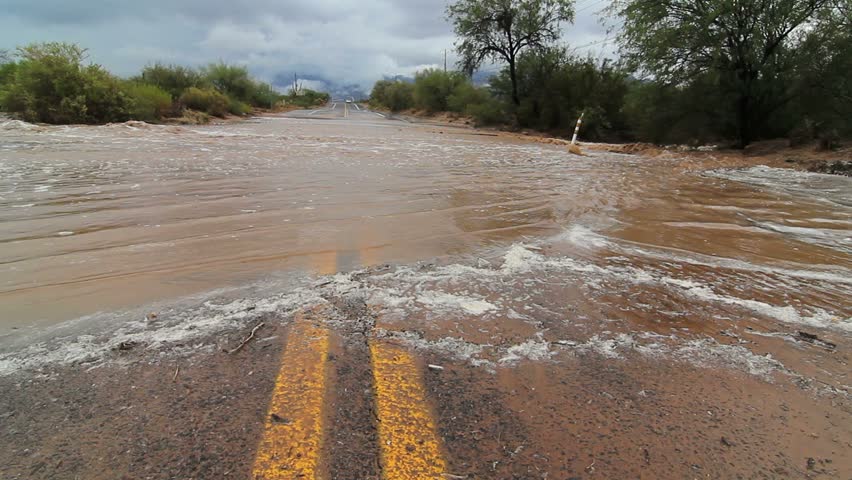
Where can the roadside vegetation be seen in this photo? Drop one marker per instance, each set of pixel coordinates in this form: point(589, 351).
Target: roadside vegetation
point(54, 83)
point(695, 72)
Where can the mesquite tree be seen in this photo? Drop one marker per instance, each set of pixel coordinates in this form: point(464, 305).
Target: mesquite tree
point(499, 30)
point(749, 44)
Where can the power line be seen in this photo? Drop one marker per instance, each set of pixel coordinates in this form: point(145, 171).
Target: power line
point(598, 2)
point(582, 3)
point(591, 44)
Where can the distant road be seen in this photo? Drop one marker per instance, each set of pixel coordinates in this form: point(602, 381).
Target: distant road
point(336, 110)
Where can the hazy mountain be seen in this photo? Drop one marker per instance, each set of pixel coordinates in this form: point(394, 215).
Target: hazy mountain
point(283, 82)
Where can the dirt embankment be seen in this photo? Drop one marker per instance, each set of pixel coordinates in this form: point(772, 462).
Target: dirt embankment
point(193, 117)
point(772, 153)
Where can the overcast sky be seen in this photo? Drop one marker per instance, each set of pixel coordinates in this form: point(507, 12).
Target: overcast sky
point(333, 41)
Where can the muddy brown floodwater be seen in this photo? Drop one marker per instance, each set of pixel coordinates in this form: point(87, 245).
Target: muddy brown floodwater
point(604, 316)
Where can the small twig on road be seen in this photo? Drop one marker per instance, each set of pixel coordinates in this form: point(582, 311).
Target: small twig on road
point(591, 468)
point(247, 339)
point(177, 370)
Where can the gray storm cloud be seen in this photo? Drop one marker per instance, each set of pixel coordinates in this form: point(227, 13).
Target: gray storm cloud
point(330, 42)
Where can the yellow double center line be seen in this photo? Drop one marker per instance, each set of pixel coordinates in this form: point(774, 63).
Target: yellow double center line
point(290, 448)
point(293, 437)
point(409, 441)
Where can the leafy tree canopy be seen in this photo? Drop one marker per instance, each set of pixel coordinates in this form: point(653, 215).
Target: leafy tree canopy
point(499, 30)
point(749, 43)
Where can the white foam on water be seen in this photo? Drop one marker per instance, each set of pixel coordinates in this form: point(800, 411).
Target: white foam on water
point(447, 301)
point(606, 347)
point(817, 318)
point(834, 189)
point(535, 350)
point(826, 273)
point(184, 327)
point(702, 353)
point(709, 353)
point(453, 347)
point(412, 288)
point(18, 125)
point(836, 238)
point(582, 236)
point(520, 259)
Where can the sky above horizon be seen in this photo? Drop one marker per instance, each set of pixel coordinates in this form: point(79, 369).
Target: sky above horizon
point(331, 43)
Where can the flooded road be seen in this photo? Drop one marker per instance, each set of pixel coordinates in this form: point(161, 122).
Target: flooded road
point(608, 315)
point(99, 218)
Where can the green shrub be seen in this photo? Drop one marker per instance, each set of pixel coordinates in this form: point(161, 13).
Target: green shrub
point(206, 100)
point(51, 85)
point(307, 98)
point(235, 82)
point(237, 107)
point(231, 80)
point(397, 96)
point(263, 96)
point(378, 95)
point(7, 76)
point(432, 88)
point(105, 98)
point(174, 79)
point(465, 95)
point(489, 112)
point(148, 102)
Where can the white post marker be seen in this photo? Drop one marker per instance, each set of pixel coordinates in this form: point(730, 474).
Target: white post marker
point(577, 128)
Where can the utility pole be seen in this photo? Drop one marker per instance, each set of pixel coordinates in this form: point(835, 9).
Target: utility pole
point(445, 60)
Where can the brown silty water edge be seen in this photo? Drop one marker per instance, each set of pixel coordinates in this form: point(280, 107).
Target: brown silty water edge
point(606, 315)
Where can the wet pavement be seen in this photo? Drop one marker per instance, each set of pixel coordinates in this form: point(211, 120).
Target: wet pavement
point(427, 302)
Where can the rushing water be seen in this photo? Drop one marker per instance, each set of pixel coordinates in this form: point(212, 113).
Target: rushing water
point(111, 218)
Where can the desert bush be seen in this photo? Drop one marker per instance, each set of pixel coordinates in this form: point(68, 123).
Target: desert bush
point(379, 93)
point(263, 96)
point(206, 100)
point(7, 76)
point(307, 98)
point(236, 107)
point(148, 102)
point(400, 96)
point(52, 85)
point(174, 79)
point(432, 89)
point(231, 80)
point(464, 95)
point(393, 95)
point(488, 112)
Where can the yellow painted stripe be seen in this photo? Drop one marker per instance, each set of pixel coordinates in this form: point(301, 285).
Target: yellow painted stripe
point(290, 448)
point(410, 448)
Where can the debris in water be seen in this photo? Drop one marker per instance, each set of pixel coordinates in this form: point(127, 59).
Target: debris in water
point(814, 339)
point(124, 346)
point(247, 339)
point(279, 419)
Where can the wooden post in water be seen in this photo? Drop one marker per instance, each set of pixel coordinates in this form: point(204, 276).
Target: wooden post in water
point(572, 147)
point(577, 128)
